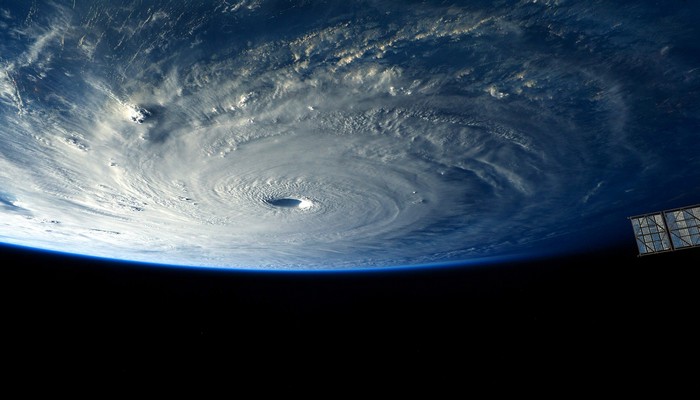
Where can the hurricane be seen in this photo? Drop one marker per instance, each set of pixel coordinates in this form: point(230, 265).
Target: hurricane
point(334, 135)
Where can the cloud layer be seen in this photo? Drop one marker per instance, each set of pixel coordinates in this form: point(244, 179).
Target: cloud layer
point(160, 131)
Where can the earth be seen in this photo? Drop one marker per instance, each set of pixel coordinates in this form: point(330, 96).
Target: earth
point(311, 135)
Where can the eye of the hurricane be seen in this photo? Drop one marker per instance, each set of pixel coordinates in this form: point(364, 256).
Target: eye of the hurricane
point(290, 202)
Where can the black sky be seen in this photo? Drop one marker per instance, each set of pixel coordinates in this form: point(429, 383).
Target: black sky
point(611, 309)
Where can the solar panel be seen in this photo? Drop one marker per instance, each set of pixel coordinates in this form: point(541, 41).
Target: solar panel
point(684, 227)
point(667, 230)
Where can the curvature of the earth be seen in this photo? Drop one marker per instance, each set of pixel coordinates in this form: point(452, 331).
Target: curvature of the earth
point(342, 134)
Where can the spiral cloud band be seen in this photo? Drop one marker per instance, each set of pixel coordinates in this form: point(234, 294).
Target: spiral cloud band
point(253, 134)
